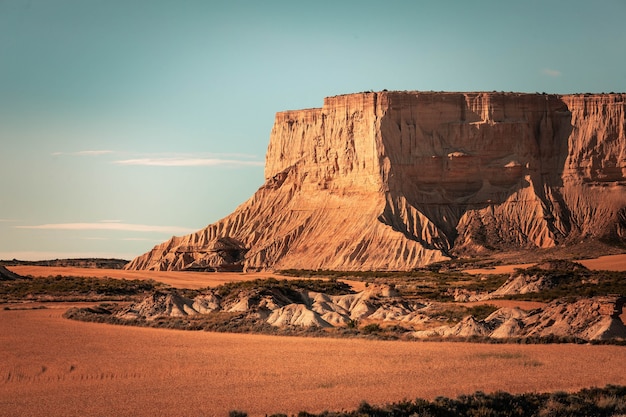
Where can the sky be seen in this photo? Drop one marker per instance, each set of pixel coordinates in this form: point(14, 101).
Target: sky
point(125, 122)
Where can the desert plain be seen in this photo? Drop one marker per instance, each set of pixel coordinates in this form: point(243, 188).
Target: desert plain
point(58, 367)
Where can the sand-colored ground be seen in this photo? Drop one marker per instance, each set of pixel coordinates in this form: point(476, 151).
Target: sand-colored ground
point(56, 367)
point(609, 263)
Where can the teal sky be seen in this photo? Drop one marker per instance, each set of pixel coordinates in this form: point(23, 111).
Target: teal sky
point(125, 122)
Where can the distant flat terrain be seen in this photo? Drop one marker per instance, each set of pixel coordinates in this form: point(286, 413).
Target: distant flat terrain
point(56, 367)
point(609, 263)
point(177, 279)
point(195, 280)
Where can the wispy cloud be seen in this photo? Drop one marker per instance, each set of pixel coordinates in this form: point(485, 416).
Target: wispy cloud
point(551, 72)
point(85, 153)
point(197, 159)
point(187, 162)
point(125, 227)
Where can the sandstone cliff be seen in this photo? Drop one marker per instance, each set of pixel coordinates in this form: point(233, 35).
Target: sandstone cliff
point(397, 180)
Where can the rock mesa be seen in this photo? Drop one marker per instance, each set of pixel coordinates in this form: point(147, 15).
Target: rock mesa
point(398, 180)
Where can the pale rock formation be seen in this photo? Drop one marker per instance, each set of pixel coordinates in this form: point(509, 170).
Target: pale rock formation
point(468, 327)
point(206, 303)
point(511, 327)
point(595, 318)
point(296, 315)
point(397, 180)
point(159, 304)
point(335, 319)
point(520, 284)
point(505, 322)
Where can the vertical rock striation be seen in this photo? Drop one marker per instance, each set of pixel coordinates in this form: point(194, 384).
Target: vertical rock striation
point(397, 180)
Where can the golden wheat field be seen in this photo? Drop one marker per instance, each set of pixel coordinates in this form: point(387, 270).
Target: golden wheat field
point(56, 367)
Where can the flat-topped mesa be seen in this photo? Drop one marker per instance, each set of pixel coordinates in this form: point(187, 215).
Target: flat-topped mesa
point(397, 180)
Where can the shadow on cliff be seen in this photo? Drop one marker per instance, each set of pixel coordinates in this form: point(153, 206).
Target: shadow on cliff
point(482, 185)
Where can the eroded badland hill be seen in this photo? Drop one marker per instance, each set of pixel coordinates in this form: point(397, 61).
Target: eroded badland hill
point(398, 180)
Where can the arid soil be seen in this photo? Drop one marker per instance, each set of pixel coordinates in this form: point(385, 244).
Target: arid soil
point(57, 367)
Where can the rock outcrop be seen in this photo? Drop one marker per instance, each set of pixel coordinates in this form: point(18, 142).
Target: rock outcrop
point(398, 180)
point(593, 318)
point(279, 307)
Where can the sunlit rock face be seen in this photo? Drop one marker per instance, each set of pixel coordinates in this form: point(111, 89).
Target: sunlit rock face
point(398, 180)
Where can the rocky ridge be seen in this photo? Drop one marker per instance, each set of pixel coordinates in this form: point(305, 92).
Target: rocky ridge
point(277, 307)
point(596, 318)
point(398, 180)
point(587, 318)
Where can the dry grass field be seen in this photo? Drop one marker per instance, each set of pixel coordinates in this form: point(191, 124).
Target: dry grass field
point(56, 367)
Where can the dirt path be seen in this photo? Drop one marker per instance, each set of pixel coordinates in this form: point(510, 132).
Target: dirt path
point(56, 367)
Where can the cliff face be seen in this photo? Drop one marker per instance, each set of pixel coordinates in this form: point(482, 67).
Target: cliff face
point(397, 180)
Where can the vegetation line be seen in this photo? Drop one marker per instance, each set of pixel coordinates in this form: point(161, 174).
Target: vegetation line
point(609, 401)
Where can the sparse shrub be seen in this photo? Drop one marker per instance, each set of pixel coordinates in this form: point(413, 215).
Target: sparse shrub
point(606, 401)
point(371, 328)
point(75, 288)
point(288, 287)
point(482, 311)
